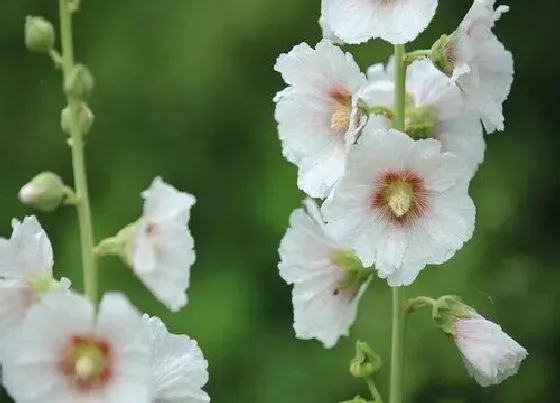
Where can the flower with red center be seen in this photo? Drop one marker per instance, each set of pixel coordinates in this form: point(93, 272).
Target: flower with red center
point(66, 353)
point(395, 21)
point(26, 261)
point(317, 115)
point(328, 278)
point(402, 204)
point(478, 62)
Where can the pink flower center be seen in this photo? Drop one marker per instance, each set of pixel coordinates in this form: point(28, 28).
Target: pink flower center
point(400, 197)
point(86, 362)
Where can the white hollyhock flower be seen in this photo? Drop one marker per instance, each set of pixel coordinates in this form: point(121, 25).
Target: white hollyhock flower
point(396, 21)
point(435, 110)
point(161, 248)
point(66, 353)
point(325, 298)
point(179, 369)
point(483, 68)
point(490, 355)
point(402, 204)
point(26, 261)
point(317, 114)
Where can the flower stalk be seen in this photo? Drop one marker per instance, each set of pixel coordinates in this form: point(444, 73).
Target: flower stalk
point(76, 142)
point(399, 294)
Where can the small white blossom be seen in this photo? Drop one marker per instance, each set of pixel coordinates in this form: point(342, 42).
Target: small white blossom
point(490, 355)
point(26, 261)
point(401, 204)
point(396, 21)
point(435, 110)
point(323, 310)
point(161, 249)
point(481, 65)
point(66, 353)
point(179, 370)
point(317, 114)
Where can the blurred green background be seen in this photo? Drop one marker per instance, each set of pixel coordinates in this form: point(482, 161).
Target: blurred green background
point(184, 90)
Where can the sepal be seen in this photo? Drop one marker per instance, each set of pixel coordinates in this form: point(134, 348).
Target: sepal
point(356, 275)
point(117, 245)
point(441, 56)
point(447, 309)
point(365, 362)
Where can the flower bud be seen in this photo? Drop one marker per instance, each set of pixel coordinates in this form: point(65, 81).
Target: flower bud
point(80, 83)
point(81, 118)
point(365, 362)
point(45, 192)
point(39, 34)
point(490, 355)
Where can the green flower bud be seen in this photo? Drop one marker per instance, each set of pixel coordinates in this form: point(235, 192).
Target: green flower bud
point(45, 192)
point(80, 83)
point(366, 362)
point(441, 55)
point(447, 309)
point(39, 34)
point(81, 118)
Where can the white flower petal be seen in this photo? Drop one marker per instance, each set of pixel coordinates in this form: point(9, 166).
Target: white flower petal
point(490, 355)
point(16, 297)
point(161, 250)
point(164, 203)
point(323, 84)
point(483, 67)
point(321, 311)
point(28, 252)
point(396, 21)
point(178, 366)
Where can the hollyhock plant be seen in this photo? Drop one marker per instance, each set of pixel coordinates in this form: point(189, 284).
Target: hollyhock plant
point(478, 61)
point(328, 280)
point(402, 204)
point(395, 21)
point(160, 249)
point(317, 114)
point(26, 261)
point(68, 353)
point(178, 367)
point(435, 110)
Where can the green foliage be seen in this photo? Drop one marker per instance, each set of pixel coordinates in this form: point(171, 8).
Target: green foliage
point(183, 90)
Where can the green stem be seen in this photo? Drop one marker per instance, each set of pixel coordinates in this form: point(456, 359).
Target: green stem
point(373, 390)
point(78, 163)
point(399, 294)
point(417, 55)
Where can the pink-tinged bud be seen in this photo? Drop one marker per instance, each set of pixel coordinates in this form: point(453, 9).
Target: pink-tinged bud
point(490, 354)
